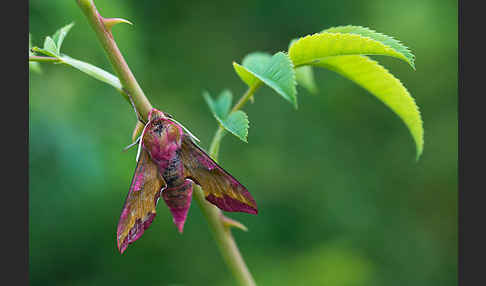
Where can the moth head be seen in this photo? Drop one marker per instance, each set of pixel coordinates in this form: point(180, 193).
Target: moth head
point(155, 114)
point(160, 133)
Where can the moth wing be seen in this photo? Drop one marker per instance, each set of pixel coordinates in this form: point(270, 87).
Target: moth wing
point(220, 188)
point(139, 208)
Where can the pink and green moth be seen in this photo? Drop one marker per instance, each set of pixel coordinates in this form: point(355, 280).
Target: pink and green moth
point(168, 163)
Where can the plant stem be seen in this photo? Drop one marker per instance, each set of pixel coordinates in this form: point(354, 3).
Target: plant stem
point(222, 234)
point(42, 59)
point(218, 136)
point(248, 94)
point(117, 61)
point(224, 239)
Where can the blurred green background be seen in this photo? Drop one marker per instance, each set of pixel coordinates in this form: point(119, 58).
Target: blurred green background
point(341, 199)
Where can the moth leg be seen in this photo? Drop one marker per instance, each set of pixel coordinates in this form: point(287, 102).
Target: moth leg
point(135, 109)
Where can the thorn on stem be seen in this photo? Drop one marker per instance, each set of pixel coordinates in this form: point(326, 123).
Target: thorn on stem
point(228, 223)
point(110, 22)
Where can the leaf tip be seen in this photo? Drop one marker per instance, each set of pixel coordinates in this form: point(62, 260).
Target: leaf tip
point(420, 149)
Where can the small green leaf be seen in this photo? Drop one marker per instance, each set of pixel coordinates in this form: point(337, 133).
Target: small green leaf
point(43, 51)
point(235, 122)
point(305, 76)
point(221, 107)
point(257, 61)
point(59, 36)
point(313, 48)
point(384, 39)
point(246, 76)
point(384, 86)
point(50, 47)
point(94, 71)
point(275, 71)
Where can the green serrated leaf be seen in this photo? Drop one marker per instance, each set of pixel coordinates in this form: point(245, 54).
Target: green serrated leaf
point(386, 40)
point(237, 123)
point(305, 76)
point(50, 46)
point(59, 36)
point(313, 48)
point(256, 60)
point(221, 107)
point(246, 76)
point(275, 71)
point(384, 86)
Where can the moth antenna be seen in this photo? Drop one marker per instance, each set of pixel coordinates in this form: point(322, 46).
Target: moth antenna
point(138, 151)
point(132, 144)
point(185, 129)
point(140, 143)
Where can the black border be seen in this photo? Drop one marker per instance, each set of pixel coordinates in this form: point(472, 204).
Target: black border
point(471, 250)
point(15, 134)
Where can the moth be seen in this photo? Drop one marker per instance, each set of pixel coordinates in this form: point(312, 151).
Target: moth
point(169, 162)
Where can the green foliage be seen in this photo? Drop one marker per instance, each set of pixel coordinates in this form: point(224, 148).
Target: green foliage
point(384, 86)
point(384, 39)
point(52, 48)
point(220, 107)
point(275, 71)
point(235, 122)
point(341, 49)
point(52, 45)
point(59, 36)
point(312, 48)
point(305, 76)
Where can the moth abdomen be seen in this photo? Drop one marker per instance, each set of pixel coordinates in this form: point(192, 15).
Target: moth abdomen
point(178, 199)
point(174, 172)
